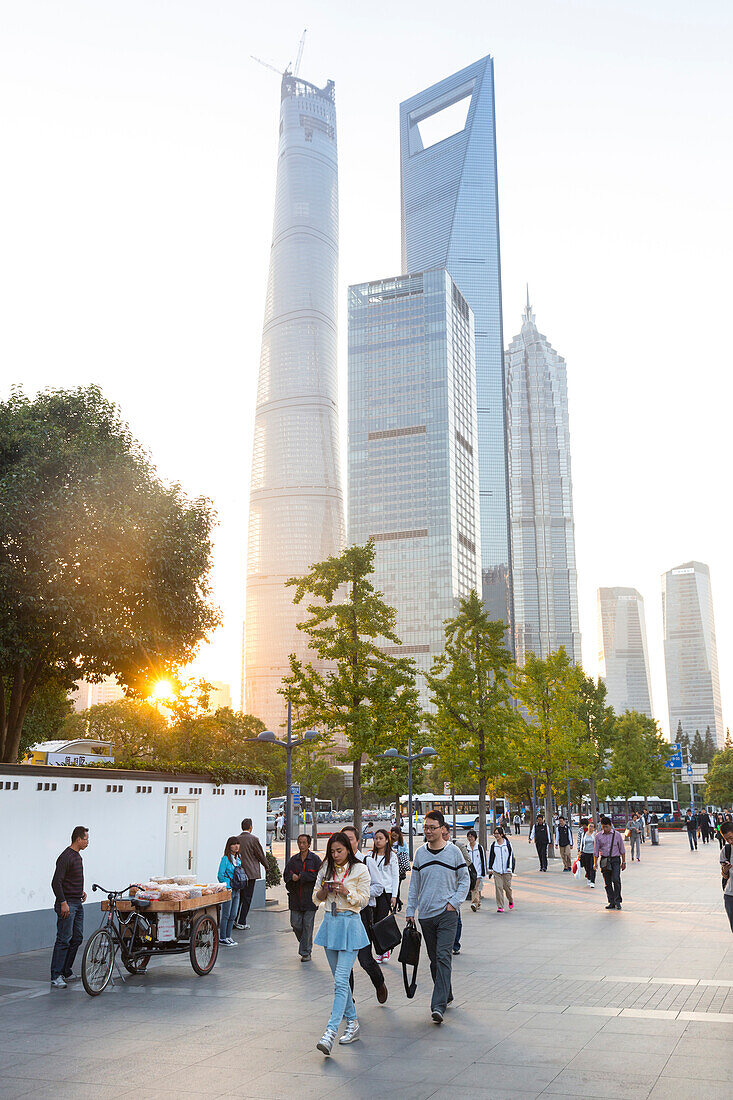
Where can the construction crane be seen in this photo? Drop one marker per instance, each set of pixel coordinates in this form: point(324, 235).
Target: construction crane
point(290, 70)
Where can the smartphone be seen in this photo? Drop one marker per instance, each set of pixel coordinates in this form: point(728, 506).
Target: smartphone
point(330, 885)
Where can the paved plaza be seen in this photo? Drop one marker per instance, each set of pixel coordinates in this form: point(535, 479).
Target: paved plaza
point(559, 998)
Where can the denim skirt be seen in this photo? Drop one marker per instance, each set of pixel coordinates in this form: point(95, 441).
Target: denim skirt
point(342, 932)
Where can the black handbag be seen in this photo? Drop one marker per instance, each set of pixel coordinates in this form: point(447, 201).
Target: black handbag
point(410, 956)
point(239, 879)
point(385, 934)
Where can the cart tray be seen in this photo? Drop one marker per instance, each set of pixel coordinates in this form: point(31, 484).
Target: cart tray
point(176, 905)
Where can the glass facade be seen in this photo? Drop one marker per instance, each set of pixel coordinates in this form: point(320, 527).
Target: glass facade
point(296, 505)
point(623, 653)
point(541, 497)
point(691, 652)
point(413, 474)
point(450, 219)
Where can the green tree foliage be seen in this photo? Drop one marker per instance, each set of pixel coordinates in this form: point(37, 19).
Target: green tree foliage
point(365, 693)
point(599, 730)
point(709, 748)
point(47, 712)
point(719, 784)
point(469, 684)
point(697, 749)
point(552, 733)
point(104, 568)
point(637, 760)
point(135, 730)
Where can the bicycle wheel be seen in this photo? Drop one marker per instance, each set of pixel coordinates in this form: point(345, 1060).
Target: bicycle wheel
point(204, 944)
point(97, 962)
point(129, 943)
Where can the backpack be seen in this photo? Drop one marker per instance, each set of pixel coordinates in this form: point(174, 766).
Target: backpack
point(473, 875)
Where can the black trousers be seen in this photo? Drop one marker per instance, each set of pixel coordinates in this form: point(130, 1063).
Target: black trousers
point(541, 854)
point(366, 959)
point(612, 879)
point(245, 900)
point(588, 863)
point(517, 829)
point(728, 902)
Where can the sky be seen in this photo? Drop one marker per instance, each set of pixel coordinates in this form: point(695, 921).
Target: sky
point(139, 143)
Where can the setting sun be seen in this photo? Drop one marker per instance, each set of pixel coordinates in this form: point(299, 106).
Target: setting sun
point(162, 692)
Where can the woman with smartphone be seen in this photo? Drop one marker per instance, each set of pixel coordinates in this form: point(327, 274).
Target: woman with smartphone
point(343, 883)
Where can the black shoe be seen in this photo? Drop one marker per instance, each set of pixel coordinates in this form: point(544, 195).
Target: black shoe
point(612, 905)
point(618, 905)
point(382, 993)
point(437, 1016)
point(456, 950)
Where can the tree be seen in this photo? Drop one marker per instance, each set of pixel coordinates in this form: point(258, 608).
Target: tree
point(332, 786)
point(637, 761)
point(453, 765)
point(469, 684)
point(359, 689)
point(709, 747)
point(135, 730)
point(104, 568)
point(47, 711)
point(719, 783)
point(697, 748)
point(311, 766)
point(599, 722)
point(551, 730)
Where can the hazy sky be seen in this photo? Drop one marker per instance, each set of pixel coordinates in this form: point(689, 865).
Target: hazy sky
point(139, 144)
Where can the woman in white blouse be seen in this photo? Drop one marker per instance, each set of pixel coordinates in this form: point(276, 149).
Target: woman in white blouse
point(501, 866)
point(384, 870)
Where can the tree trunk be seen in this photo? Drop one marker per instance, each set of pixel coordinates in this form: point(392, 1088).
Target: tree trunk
point(314, 826)
point(493, 809)
point(356, 772)
point(548, 819)
point(482, 811)
point(593, 800)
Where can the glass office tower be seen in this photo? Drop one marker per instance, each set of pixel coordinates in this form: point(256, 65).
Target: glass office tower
point(623, 654)
point(413, 476)
point(691, 652)
point(544, 574)
point(450, 219)
point(296, 506)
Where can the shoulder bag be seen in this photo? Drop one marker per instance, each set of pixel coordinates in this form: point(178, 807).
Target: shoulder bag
point(606, 860)
point(385, 934)
point(410, 956)
point(239, 879)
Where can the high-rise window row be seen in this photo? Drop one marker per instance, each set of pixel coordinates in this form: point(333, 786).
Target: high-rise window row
point(545, 580)
point(691, 652)
point(623, 652)
point(296, 506)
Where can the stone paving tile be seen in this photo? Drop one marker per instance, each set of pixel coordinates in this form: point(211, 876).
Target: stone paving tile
point(609, 1061)
point(590, 1083)
point(10, 1087)
point(702, 1068)
point(686, 1088)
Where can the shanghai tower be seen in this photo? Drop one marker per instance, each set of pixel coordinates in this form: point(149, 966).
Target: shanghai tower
point(296, 505)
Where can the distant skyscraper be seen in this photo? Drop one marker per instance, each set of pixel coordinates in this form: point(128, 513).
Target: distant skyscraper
point(623, 652)
point(413, 477)
point(450, 219)
point(541, 497)
point(690, 652)
point(296, 506)
point(86, 695)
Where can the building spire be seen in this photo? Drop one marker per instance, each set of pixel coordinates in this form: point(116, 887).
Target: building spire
point(528, 315)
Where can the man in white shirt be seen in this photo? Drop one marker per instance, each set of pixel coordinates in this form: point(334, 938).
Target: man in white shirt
point(477, 856)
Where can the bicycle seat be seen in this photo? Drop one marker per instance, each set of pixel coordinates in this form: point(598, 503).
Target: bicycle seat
point(140, 903)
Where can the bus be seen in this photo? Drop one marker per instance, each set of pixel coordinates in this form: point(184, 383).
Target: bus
point(277, 805)
point(666, 809)
point(466, 809)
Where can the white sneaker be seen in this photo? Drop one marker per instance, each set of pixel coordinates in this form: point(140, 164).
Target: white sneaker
point(229, 943)
point(325, 1044)
point(351, 1034)
point(245, 927)
point(59, 983)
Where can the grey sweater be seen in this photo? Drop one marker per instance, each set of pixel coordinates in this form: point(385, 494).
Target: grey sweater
point(443, 883)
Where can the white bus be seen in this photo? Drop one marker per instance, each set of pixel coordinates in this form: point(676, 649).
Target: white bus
point(466, 809)
point(666, 809)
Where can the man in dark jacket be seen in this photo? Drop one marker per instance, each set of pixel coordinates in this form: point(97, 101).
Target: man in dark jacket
point(540, 835)
point(251, 855)
point(300, 877)
point(68, 888)
point(691, 826)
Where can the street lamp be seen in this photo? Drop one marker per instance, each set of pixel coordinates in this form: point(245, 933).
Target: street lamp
point(267, 737)
point(392, 754)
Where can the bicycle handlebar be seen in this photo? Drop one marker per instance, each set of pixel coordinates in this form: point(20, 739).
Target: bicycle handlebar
point(111, 893)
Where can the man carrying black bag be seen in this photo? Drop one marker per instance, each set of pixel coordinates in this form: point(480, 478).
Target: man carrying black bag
point(439, 884)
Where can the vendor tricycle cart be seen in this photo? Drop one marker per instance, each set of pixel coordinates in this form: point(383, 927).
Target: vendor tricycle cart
point(140, 928)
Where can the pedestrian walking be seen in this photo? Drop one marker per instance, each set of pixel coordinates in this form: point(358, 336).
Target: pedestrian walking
point(517, 825)
point(252, 857)
point(719, 822)
point(540, 835)
point(586, 850)
point(299, 877)
point(366, 957)
point(403, 859)
point(228, 866)
point(343, 884)
point(704, 825)
point(477, 855)
point(68, 890)
point(636, 831)
point(610, 854)
point(564, 841)
point(691, 826)
point(438, 885)
point(726, 859)
point(501, 868)
point(280, 827)
point(383, 867)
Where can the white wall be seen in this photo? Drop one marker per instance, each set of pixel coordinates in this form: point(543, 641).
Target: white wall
point(127, 830)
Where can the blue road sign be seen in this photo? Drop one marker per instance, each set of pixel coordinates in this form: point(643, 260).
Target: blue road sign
point(673, 762)
point(689, 769)
point(295, 791)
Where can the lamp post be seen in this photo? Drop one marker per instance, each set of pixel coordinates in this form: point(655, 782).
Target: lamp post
point(267, 737)
point(392, 754)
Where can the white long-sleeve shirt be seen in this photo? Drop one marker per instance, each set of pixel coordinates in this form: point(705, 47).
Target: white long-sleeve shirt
point(384, 874)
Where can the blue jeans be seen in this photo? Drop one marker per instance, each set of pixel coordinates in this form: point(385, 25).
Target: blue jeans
point(228, 913)
point(459, 930)
point(69, 934)
point(341, 963)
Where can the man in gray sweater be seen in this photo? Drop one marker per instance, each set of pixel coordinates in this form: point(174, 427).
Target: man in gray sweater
point(438, 884)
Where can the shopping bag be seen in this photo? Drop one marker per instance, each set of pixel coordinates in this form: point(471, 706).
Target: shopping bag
point(576, 869)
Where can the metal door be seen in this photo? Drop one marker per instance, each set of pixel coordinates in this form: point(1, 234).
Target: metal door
point(181, 843)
